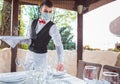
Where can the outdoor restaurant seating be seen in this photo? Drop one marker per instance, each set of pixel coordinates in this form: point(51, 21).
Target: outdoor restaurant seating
point(82, 64)
point(111, 69)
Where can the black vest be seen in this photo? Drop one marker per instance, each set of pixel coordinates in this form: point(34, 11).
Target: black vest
point(40, 41)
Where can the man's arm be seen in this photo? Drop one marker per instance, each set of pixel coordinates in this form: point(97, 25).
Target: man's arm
point(54, 33)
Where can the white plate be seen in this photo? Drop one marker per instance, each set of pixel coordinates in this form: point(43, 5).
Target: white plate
point(59, 73)
point(12, 77)
point(61, 82)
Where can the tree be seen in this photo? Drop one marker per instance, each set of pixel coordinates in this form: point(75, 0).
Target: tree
point(1, 6)
point(66, 38)
point(27, 11)
point(5, 24)
point(63, 18)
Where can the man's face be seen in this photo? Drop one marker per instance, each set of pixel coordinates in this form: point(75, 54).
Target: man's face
point(46, 9)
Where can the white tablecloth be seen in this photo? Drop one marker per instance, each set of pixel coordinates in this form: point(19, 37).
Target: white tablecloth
point(13, 40)
point(15, 76)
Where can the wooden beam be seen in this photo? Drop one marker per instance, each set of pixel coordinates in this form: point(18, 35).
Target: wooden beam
point(14, 17)
point(85, 3)
point(31, 2)
point(80, 37)
point(64, 4)
point(99, 3)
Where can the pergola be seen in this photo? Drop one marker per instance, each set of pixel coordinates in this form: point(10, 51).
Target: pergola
point(80, 6)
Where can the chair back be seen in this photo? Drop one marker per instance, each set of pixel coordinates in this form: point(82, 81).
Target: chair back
point(111, 69)
point(82, 64)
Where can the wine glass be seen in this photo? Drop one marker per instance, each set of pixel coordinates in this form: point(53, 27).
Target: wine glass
point(39, 73)
point(19, 62)
point(110, 78)
point(90, 75)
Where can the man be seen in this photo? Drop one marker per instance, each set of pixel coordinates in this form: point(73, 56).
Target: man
point(41, 31)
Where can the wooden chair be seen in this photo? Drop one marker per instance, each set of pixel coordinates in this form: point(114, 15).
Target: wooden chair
point(112, 69)
point(82, 64)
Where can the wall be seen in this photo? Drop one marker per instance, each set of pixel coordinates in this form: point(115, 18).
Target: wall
point(102, 57)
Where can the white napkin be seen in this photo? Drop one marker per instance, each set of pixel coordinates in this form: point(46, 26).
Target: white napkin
point(12, 77)
point(13, 40)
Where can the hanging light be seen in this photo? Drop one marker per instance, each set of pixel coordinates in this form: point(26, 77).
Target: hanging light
point(115, 26)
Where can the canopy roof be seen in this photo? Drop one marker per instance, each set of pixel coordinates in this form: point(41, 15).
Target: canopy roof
point(65, 4)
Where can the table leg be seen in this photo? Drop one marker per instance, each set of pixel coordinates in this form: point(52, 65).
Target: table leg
point(13, 57)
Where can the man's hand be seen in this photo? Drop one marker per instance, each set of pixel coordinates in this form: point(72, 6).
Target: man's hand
point(60, 66)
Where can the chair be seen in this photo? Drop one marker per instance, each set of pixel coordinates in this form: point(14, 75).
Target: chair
point(112, 69)
point(82, 64)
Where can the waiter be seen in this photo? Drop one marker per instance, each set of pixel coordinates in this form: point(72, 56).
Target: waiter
point(41, 31)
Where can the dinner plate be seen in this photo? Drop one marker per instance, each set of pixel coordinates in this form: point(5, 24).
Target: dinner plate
point(59, 73)
point(12, 77)
point(61, 82)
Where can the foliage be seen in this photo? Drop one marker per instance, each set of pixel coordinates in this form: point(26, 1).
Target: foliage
point(0, 18)
point(63, 18)
point(24, 46)
point(115, 49)
point(66, 38)
point(1, 6)
point(22, 24)
point(6, 19)
point(32, 11)
point(87, 47)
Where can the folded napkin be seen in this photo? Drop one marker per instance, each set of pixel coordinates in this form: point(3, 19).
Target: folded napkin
point(12, 77)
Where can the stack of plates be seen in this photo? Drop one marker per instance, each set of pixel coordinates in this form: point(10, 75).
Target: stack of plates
point(12, 77)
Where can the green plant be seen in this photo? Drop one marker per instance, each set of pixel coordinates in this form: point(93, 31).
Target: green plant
point(24, 46)
point(66, 38)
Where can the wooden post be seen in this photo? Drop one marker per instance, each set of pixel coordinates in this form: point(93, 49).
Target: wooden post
point(14, 26)
point(79, 37)
point(80, 34)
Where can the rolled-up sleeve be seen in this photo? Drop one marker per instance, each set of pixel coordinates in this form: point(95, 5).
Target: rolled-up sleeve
point(54, 33)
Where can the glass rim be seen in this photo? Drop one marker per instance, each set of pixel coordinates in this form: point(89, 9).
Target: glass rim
point(110, 74)
point(90, 67)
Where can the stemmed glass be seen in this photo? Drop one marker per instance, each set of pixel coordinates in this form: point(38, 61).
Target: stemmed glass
point(110, 78)
point(39, 73)
point(90, 75)
point(51, 70)
point(19, 62)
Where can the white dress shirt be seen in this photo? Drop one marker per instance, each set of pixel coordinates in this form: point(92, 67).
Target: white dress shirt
point(42, 58)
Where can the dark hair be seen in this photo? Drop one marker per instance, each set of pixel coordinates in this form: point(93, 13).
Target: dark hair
point(47, 3)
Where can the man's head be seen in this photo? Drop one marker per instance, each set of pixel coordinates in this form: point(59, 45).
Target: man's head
point(46, 9)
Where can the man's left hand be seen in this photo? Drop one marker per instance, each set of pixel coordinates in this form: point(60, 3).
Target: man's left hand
point(60, 66)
